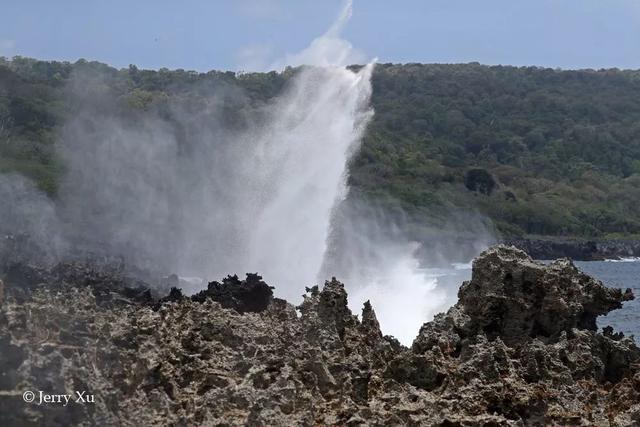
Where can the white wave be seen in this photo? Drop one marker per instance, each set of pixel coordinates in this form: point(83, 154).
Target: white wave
point(462, 265)
point(624, 259)
point(402, 297)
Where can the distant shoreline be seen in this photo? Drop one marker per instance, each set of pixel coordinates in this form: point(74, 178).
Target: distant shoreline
point(578, 249)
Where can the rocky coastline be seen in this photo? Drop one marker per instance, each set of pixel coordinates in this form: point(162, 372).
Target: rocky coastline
point(577, 249)
point(520, 347)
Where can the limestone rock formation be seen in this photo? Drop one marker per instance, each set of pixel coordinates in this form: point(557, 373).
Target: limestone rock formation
point(251, 294)
point(519, 348)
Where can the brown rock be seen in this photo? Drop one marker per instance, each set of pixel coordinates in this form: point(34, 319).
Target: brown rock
point(519, 348)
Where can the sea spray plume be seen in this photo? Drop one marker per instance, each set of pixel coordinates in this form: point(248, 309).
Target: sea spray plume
point(343, 19)
point(183, 190)
point(403, 268)
point(328, 50)
point(303, 155)
point(179, 189)
point(176, 187)
point(316, 127)
point(371, 251)
point(368, 247)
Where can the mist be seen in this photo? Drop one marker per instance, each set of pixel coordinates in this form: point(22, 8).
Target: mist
point(408, 277)
point(28, 220)
point(180, 188)
point(201, 197)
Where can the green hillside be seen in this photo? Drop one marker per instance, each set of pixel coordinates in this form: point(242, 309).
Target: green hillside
point(538, 151)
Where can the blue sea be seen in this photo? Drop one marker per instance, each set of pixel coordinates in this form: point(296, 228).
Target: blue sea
point(619, 274)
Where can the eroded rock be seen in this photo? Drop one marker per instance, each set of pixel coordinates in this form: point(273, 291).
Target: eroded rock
point(513, 297)
point(519, 348)
point(250, 295)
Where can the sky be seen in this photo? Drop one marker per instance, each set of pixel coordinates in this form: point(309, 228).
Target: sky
point(250, 35)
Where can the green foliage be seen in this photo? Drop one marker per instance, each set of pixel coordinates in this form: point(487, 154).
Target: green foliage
point(559, 151)
point(563, 146)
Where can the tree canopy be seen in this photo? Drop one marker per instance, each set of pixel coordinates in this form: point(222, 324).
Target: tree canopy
point(538, 151)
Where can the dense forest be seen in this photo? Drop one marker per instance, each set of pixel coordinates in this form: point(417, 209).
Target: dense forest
point(538, 151)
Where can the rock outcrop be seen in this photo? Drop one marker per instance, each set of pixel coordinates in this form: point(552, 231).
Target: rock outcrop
point(519, 348)
point(250, 295)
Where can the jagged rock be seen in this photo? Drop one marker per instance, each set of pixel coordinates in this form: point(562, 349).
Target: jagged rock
point(526, 330)
point(250, 295)
point(513, 297)
point(370, 326)
point(234, 355)
point(175, 295)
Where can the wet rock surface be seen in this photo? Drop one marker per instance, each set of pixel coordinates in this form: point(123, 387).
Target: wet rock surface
point(519, 348)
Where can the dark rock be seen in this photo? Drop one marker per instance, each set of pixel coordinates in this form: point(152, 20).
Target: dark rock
point(25, 275)
point(11, 357)
point(175, 295)
point(108, 283)
point(250, 295)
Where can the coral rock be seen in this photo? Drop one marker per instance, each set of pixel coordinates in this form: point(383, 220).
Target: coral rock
point(519, 348)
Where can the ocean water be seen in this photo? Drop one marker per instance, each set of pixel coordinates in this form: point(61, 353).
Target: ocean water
point(616, 274)
point(619, 274)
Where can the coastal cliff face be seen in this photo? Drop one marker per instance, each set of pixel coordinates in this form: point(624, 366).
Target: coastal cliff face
point(519, 348)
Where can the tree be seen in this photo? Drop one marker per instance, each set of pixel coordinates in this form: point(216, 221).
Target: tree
point(479, 180)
